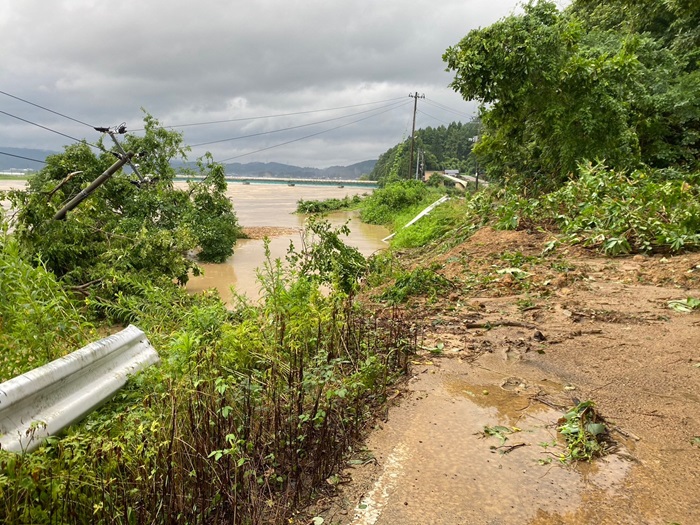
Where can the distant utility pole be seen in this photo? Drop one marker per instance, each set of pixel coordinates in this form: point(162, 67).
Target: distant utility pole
point(415, 96)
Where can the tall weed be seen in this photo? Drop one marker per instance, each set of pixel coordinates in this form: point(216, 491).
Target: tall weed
point(249, 411)
point(39, 321)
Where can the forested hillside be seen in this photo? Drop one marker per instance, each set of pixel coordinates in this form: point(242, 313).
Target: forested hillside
point(442, 147)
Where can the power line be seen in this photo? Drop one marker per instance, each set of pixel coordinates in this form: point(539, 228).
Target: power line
point(313, 134)
point(241, 119)
point(447, 108)
point(46, 109)
point(39, 126)
point(432, 117)
point(49, 129)
point(21, 157)
point(390, 106)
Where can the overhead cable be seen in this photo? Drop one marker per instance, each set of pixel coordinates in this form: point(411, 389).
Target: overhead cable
point(432, 117)
point(447, 108)
point(51, 130)
point(313, 134)
point(21, 157)
point(241, 119)
point(46, 109)
point(390, 106)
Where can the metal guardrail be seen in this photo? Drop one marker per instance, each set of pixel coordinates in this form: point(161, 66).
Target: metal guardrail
point(422, 214)
point(44, 401)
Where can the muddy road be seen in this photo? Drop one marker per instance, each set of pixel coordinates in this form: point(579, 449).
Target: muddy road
point(514, 350)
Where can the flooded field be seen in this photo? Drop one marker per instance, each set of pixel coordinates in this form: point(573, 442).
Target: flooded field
point(269, 210)
point(266, 209)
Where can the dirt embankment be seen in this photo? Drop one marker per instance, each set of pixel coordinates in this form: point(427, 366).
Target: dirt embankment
point(522, 336)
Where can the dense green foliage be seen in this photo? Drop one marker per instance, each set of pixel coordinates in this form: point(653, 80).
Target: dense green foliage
point(249, 410)
point(443, 148)
point(619, 213)
point(385, 203)
point(615, 81)
point(615, 212)
point(328, 205)
point(437, 223)
point(38, 320)
point(420, 281)
point(326, 259)
point(127, 227)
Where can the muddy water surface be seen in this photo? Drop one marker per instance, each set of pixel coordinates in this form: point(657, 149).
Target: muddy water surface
point(261, 206)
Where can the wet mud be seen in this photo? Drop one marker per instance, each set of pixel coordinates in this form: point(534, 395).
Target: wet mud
point(444, 469)
point(513, 356)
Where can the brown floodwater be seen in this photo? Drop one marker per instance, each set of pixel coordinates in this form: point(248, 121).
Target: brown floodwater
point(267, 205)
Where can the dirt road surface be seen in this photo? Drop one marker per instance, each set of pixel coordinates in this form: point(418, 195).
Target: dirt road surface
point(515, 349)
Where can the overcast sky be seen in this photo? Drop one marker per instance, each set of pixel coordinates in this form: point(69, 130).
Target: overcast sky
point(190, 62)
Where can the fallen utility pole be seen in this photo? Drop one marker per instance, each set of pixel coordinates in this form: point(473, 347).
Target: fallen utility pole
point(80, 197)
point(120, 130)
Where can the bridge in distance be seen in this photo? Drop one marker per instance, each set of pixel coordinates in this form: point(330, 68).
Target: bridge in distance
point(353, 183)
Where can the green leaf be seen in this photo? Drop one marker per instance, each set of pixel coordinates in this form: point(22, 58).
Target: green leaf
point(684, 305)
point(595, 428)
point(515, 272)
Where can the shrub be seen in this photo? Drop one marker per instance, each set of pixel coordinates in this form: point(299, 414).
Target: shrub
point(385, 203)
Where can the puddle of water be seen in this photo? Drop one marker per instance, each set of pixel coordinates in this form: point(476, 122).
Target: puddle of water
point(455, 473)
point(509, 406)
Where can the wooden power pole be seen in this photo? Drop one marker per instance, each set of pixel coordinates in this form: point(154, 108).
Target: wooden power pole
point(415, 96)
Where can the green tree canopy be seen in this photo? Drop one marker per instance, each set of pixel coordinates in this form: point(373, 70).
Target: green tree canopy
point(127, 227)
point(443, 147)
point(615, 81)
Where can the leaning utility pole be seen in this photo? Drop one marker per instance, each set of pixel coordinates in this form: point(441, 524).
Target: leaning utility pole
point(120, 130)
point(80, 197)
point(415, 98)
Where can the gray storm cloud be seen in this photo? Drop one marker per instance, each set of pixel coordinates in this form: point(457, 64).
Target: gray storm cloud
point(190, 62)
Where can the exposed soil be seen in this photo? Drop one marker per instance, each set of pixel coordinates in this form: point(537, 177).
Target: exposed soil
point(521, 337)
point(260, 232)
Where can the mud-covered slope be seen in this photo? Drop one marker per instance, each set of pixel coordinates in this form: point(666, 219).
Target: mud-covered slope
point(529, 328)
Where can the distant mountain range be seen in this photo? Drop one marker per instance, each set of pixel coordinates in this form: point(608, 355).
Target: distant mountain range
point(250, 169)
point(274, 169)
point(8, 162)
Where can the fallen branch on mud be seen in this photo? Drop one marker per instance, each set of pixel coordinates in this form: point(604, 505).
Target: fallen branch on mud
point(625, 433)
point(507, 449)
point(544, 401)
point(492, 324)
